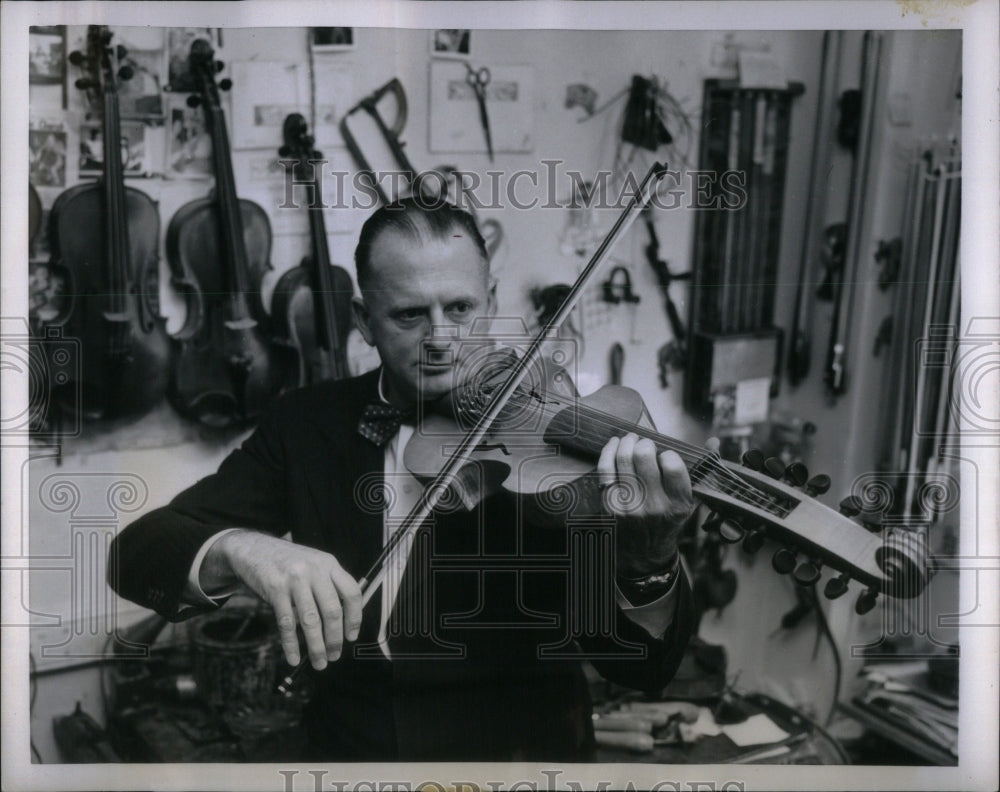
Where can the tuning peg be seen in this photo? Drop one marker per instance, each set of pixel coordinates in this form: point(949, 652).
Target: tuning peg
point(315, 154)
point(774, 467)
point(753, 459)
point(817, 485)
point(126, 73)
point(219, 65)
point(730, 532)
point(77, 58)
point(753, 541)
point(796, 474)
point(121, 52)
point(284, 151)
point(712, 523)
point(807, 572)
point(866, 601)
point(850, 506)
point(225, 85)
point(193, 101)
point(873, 521)
point(836, 587)
point(85, 84)
point(106, 35)
point(783, 560)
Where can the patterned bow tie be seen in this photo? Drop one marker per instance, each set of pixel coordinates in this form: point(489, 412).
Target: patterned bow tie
point(380, 422)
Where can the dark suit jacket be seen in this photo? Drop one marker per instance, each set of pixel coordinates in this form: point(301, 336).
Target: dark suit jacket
point(490, 621)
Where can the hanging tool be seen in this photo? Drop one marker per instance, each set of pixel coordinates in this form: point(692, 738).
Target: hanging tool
point(728, 255)
point(668, 357)
point(766, 275)
point(888, 256)
point(618, 290)
point(799, 348)
point(665, 277)
point(479, 79)
point(617, 361)
point(836, 361)
point(391, 133)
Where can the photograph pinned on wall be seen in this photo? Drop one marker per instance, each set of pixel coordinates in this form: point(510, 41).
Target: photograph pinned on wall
point(38, 247)
point(47, 148)
point(135, 157)
point(331, 39)
point(451, 43)
point(46, 55)
point(48, 297)
point(179, 41)
point(141, 96)
point(189, 146)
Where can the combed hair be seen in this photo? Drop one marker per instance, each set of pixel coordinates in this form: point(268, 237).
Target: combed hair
point(414, 217)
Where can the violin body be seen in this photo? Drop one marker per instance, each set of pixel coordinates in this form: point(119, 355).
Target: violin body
point(124, 349)
point(312, 302)
point(225, 371)
point(295, 319)
point(104, 238)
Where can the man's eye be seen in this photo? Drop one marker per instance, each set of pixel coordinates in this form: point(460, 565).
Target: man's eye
point(409, 315)
point(460, 309)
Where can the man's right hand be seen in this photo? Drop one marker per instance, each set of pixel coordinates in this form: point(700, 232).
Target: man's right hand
point(303, 586)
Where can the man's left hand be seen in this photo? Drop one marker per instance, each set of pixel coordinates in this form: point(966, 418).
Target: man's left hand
point(650, 496)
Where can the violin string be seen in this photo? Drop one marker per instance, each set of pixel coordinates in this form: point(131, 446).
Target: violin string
point(114, 229)
point(690, 453)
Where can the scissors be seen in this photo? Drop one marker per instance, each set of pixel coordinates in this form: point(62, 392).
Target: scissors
point(479, 79)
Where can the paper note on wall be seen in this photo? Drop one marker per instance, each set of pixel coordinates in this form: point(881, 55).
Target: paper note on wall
point(752, 400)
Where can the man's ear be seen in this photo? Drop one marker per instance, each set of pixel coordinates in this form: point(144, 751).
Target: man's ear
point(362, 318)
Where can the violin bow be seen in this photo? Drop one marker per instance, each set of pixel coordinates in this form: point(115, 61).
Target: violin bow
point(462, 453)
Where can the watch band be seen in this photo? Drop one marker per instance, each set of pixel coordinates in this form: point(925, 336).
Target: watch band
point(651, 586)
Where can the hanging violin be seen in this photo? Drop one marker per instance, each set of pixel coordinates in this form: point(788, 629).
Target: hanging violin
point(104, 239)
point(509, 427)
point(225, 370)
point(312, 302)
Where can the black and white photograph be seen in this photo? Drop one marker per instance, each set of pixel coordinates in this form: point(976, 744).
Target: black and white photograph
point(48, 54)
point(132, 138)
point(179, 40)
point(331, 39)
point(451, 43)
point(613, 406)
point(189, 147)
point(47, 154)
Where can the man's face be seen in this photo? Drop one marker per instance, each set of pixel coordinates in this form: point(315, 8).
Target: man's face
point(423, 296)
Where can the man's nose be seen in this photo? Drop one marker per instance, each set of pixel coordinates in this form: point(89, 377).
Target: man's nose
point(442, 332)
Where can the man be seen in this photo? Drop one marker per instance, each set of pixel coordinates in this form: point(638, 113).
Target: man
point(469, 650)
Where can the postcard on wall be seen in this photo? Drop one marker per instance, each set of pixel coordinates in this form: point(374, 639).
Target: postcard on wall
point(180, 79)
point(135, 157)
point(189, 146)
point(47, 149)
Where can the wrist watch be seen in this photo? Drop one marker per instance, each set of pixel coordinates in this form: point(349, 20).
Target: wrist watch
point(650, 587)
